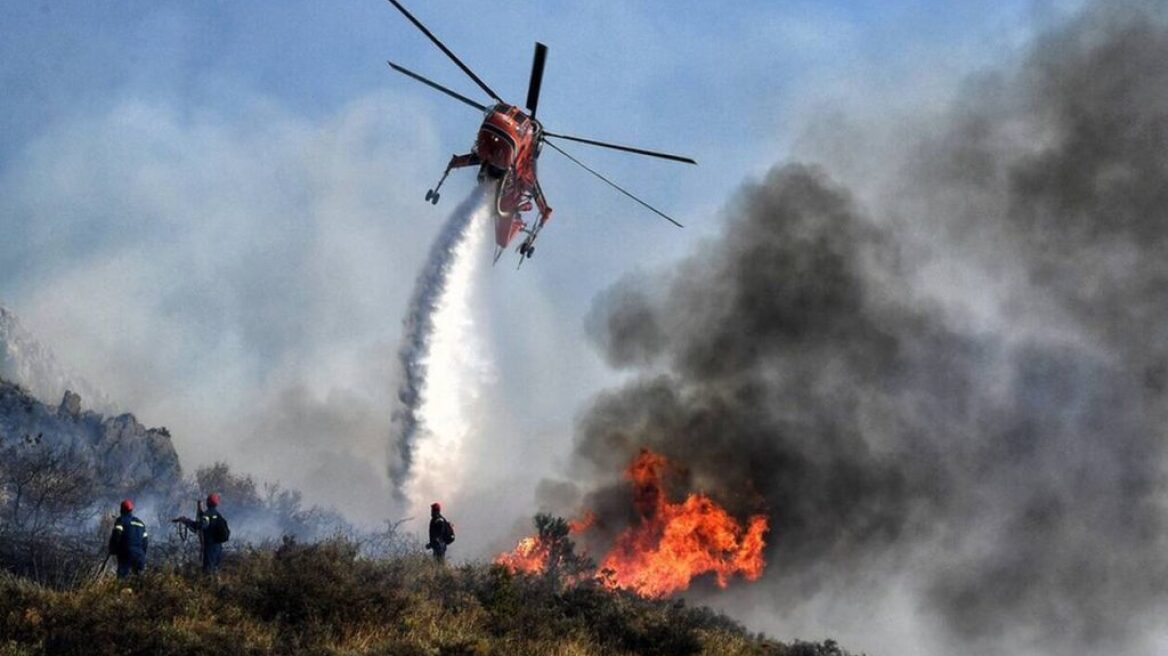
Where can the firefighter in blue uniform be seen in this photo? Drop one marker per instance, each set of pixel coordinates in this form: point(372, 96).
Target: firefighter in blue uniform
point(212, 529)
point(129, 541)
point(441, 533)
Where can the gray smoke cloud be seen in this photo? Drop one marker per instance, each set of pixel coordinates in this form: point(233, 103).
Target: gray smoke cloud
point(418, 327)
point(958, 381)
point(246, 294)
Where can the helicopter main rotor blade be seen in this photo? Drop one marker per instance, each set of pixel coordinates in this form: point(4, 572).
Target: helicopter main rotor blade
point(613, 184)
point(630, 149)
point(536, 77)
point(434, 85)
point(443, 48)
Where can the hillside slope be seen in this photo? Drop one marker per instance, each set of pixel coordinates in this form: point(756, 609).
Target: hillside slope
point(325, 599)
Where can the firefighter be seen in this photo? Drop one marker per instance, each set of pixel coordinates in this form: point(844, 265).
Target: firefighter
point(128, 541)
point(213, 531)
point(441, 533)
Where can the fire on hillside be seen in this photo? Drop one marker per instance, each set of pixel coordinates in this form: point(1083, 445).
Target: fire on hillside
point(670, 544)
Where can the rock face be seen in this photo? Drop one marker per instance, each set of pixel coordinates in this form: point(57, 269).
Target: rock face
point(70, 405)
point(125, 456)
point(26, 362)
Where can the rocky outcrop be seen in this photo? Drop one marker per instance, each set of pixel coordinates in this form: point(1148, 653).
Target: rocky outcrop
point(70, 405)
point(125, 456)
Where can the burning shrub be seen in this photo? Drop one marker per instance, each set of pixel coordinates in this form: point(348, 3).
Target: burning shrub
point(550, 552)
point(670, 545)
point(674, 542)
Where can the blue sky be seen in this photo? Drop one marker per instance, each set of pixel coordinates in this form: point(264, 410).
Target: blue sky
point(215, 208)
point(706, 78)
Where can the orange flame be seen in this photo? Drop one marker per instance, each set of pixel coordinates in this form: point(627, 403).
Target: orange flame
point(531, 553)
point(529, 556)
point(670, 545)
point(582, 524)
point(674, 542)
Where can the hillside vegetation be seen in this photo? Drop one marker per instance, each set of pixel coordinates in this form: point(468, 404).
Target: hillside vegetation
point(63, 470)
point(325, 598)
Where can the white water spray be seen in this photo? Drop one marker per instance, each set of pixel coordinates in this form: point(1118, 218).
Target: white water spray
point(459, 368)
point(444, 359)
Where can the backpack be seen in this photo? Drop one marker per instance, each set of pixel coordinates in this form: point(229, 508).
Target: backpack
point(218, 529)
point(447, 531)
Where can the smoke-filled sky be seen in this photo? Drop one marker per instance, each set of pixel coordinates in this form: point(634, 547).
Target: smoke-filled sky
point(945, 380)
point(916, 314)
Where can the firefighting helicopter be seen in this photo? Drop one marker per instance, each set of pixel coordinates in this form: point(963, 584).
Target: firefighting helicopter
point(508, 144)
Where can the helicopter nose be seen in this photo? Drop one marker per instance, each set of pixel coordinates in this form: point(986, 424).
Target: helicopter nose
point(494, 151)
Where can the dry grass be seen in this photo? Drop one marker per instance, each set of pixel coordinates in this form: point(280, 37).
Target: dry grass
point(324, 599)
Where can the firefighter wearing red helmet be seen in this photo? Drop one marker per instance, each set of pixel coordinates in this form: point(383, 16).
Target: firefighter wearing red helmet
point(213, 531)
point(128, 541)
point(441, 533)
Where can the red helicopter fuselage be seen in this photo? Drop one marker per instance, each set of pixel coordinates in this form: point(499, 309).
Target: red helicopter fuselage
point(506, 138)
point(508, 144)
point(506, 148)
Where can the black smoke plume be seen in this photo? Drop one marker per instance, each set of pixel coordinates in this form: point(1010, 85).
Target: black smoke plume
point(1010, 460)
point(418, 328)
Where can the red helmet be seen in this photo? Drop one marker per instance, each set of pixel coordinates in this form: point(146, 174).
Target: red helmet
point(435, 507)
point(213, 499)
point(127, 505)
